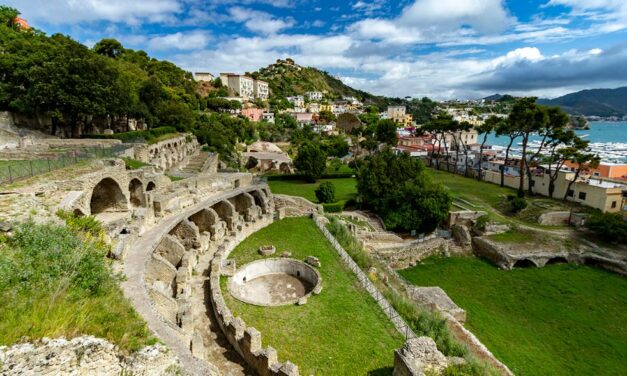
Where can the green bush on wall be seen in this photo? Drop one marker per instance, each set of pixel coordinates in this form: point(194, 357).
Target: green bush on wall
point(147, 135)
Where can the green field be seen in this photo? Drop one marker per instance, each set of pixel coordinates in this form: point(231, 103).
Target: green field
point(345, 188)
point(342, 331)
point(558, 320)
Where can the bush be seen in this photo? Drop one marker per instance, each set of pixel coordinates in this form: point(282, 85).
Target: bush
point(337, 207)
point(86, 224)
point(609, 226)
point(518, 204)
point(133, 164)
point(325, 192)
point(135, 136)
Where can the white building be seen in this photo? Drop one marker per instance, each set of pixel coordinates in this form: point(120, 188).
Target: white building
point(203, 76)
point(298, 101)
point(268, 116)
point(260, 89)
point(242, 85)
point(314, 95)
point(396, 112)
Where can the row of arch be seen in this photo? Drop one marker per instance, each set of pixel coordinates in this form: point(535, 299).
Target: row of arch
point(108, 195)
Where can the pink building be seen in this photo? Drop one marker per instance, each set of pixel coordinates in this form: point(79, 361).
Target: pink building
point(254, 114)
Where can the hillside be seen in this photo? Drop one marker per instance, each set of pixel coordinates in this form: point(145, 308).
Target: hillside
point(595, 102)
point(286, 78)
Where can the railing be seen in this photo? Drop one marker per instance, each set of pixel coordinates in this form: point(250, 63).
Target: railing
point(11, 171)
point(396, 319)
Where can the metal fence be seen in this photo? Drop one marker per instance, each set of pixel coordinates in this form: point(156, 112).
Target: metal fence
point(396, 319)
point(14, 170)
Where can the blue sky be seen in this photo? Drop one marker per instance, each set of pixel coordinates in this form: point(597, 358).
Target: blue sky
point(438, 48)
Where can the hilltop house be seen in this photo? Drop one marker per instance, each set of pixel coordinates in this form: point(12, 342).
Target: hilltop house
point(260, 89)
point(399, 116)
point(203, 77)
point(314, 95)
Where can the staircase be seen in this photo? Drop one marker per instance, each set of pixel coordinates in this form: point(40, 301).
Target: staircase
point(193, 166)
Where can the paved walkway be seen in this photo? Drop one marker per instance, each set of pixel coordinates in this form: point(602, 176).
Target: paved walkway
point(135, 290)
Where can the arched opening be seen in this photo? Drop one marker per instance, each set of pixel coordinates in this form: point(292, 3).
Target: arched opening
point(259, 199)
point(285, 168)
point(107, 196)
point(78, 213)
point(524, 264)
point(136, 189)
point(557, 260)
point(591, 262)
point(151, 186)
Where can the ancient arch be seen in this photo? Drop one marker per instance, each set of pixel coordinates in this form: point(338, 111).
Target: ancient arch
point(204, 219)
point(107, 196)
point(260, 200)
point(242, 203)
point(557, 260)
point(226, 211)
point(150, 186)
point(136, 190)
point(524, 263)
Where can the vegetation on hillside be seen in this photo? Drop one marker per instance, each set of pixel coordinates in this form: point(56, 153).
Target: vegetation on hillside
point(55, 281)
point(75, 86)
point(595, 102)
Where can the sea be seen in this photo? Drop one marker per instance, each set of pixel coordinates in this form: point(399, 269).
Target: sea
point(608, 138)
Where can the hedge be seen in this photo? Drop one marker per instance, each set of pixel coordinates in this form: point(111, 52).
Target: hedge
point(302, 177)
point(146, 135)
point(336, 207)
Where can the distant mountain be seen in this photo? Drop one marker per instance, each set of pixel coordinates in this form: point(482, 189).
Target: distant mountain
point(286, 78)
point(594, 102)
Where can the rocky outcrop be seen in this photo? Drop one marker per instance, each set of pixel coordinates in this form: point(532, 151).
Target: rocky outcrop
point(84, 356)
point(419, 355)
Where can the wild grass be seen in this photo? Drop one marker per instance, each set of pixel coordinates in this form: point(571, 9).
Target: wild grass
point(558, 320)
point(55, 281)
point(342, 331)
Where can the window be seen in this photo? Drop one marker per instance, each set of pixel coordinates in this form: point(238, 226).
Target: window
point(570, 193)
point(582, 195)
point(613, 204)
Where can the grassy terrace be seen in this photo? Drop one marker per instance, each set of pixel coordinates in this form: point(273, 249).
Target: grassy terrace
point(345, 188)
point(558, 320)
point(339, 332)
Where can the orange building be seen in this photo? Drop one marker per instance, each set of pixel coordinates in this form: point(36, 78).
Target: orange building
point(21, 23)
point(605, 170)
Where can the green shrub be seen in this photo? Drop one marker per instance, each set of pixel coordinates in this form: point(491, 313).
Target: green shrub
point(84, 223)
point(325, 193)
point(518, 204)
point(337, 207)
point(609, 226)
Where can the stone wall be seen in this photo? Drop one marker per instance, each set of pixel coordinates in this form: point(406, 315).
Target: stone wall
point(168, 153)
point(294, 206)
point(408, 255)
point(85, 356)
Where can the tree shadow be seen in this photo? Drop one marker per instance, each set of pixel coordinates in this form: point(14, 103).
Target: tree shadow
point(385, 371)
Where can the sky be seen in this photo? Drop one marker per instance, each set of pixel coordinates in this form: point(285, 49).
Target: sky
point(443, 49)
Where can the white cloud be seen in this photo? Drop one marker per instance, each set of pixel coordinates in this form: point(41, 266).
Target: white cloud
point(195, 40)
point(612, 14)
point(485, 16)
point(73, 11)
point(259, 22)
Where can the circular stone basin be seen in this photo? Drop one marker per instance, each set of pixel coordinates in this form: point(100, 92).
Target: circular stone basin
point(273, 282)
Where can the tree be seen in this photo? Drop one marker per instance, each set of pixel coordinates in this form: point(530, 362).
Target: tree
point(386, 132)
point(584, 161)
point(485, 129)
point(562, 147)
point(608, 226)
point(397, 188)
point(335, 146)
point(527, 118)
point(506, 128)
point(311, 161)
point(326, 116)
point(325, 193)
point(109, 47)
point(7, 15)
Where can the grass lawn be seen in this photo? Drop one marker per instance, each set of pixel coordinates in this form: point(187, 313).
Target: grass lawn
point(339, 332)
point(558, 320)
point(345, 188)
